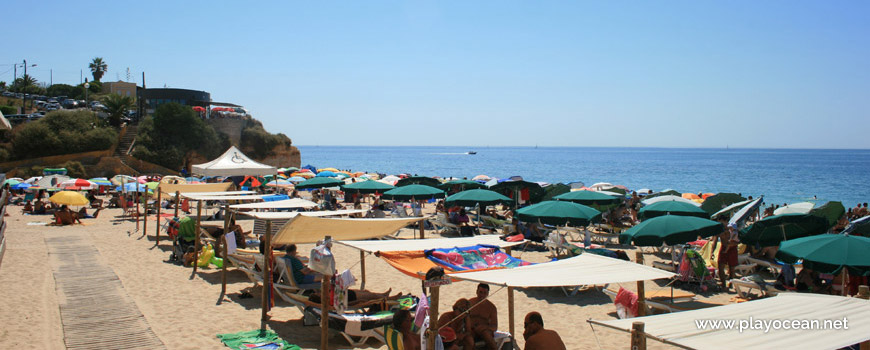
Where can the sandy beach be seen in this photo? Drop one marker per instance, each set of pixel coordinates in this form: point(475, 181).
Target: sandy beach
point(183, 312)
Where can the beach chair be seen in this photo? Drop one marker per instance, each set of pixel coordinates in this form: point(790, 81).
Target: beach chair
point(247, 263)
point(358, 328)
point(285, 285)
point(393, 338)
point(693, 269)
point(129, 211)
point(744, 286)
point(442, 225)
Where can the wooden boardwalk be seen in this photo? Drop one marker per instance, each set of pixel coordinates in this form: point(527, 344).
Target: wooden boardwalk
point(95, 310)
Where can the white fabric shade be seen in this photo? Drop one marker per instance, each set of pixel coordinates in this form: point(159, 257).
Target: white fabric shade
point(204, 194)
point(233, 163)
point(666, 198)
point(219, 188)
point(200, 197)
point(4, 123)
point(431, 243)
point(585, 269)
point(283, 215)
point(282, 204)
point(305, 229)
point(796, 208)
point(680, 328)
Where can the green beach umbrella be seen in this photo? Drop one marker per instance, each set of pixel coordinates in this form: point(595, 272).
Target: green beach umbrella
point(416, 192)
point(774, 229)
point(368, 186)
point(718, 201)
point(319, 182)
point(831, 211)
point(829, 253)
point(463, 184)
point(510, 189)
point(152, 185)
point(11, 182)
point(670, 230)
point(664, 193)
point(470, 198)
point(554, 190)
point(418, 180)
point(671, 208)
point(559, 213)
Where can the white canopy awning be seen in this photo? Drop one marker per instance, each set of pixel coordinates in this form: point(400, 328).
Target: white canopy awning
point(227, 193)
point(4, 123)
point(220, 187)
point(283, 215)
point(305, 229)
point(681, 328)
point(282, 204)
point(585, 269)
point(431, 243)
point(200, 197)
point(233, 163)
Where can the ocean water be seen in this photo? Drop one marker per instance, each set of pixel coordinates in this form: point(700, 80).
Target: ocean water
point(781, 175)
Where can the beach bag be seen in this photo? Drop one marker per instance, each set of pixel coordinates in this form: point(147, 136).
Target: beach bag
point(321, 260)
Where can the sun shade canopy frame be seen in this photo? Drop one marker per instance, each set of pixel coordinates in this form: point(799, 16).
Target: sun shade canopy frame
point(306, 229)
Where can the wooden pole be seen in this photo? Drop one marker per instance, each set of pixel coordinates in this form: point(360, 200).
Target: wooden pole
point(641, 305)
point(638, 338)
point(137, 206)
point(177, 201)
point(433, 316)
point(145, 212)
point(511, 318)
point(422, 233)
point(157, 228)
point(196, 245)
point(267, 273)
point(224, 251)
point(362, 266)
point(324, 312)
point(845, 277)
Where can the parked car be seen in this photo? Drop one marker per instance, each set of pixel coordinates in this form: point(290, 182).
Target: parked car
point(69, 103)
point(52, 100)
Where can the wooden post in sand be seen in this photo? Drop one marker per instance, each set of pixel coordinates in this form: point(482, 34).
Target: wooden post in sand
point(362, 267)
point(145, 212)
point(177, 200)
point(157, 228)
point(641, 305)
point(433, 316)
point(267, 273)
point(638, 337)
point(324, 312)
point(422, 233)
point(196, 233)
point(137, 206)
point(511, 318)
point(224, 251)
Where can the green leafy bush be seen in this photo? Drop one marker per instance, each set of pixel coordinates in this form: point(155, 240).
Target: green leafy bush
point(8, 110)
point(62, 132)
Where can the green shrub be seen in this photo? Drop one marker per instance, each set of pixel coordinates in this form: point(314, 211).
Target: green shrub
point(74, 169)
point(62, 132)
point(7, 110)
point(172, 133)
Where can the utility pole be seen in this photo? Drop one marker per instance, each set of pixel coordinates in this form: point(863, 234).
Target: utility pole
point(50, 77)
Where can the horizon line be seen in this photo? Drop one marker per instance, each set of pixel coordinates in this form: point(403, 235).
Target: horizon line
point(636, 147)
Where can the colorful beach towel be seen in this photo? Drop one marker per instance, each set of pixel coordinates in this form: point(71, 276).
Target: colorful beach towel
point(475, 257)
point(256, 339)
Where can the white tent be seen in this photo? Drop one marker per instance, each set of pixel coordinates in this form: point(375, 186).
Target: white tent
point(233, 163)
point(683, 330)
point(667, 198)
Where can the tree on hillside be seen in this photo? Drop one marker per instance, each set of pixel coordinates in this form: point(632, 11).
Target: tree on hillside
point(117, 106)
point(174, 131)
point(22, 84)
point(2, 85)
point(61, 90)
point(98, 68)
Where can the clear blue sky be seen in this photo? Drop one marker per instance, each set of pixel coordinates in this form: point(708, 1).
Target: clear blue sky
point(775, 74)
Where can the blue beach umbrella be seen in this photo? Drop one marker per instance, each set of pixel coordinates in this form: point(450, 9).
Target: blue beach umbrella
point(21, 186)
point(326, 173)
point(132, 187)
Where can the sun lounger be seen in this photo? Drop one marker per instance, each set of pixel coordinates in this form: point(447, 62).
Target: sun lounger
point(667, 307)
point(442, 225)
point(744, 287)
point(356, 328)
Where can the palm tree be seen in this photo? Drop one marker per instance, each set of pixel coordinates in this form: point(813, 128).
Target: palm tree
point(98, 68)
point(117, 106)
point(21, 84)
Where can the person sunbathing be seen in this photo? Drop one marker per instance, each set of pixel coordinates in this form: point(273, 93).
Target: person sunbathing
point(28, 208)
point(301, 273)
point(360, 296)
point(65, 217)
point(402, 321)
point(83, 213)
point(484, 317)
point(39, 208)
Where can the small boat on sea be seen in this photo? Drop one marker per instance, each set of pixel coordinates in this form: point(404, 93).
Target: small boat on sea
point(471, 152)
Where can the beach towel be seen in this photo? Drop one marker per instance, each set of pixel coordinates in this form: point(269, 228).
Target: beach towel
point(256, 339)
point(475, 257)
point(627, 300)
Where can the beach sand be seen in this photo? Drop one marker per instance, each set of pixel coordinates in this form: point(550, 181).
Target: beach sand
point(184, 313)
